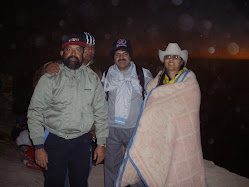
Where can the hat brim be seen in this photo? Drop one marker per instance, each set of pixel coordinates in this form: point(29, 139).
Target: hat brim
point(121, 48)
point(162, 54)
point(82, 44)
point(183, 54)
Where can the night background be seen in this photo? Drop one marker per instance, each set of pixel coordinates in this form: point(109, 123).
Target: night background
point(215, 32)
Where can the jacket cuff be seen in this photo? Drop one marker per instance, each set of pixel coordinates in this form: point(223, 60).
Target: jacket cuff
point(101, 141)
point(38, 141)
point(36, 147)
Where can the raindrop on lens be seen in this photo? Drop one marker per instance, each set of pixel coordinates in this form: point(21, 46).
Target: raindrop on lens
point(40, 41)
point(185, 22)
point(115, 2)
point(211, 141)
point(129, 20)
point(211, 50)
point(61, 23)
point(107, 36)
point(237, 109)
point(177, 2)
point(12, 46)
point(228, 35)
point(233, 48)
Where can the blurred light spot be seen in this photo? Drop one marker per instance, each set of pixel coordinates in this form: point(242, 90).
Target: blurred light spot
point(64, 37)
point(40, 41)
point(12, 46)
point(62, 23)
point(177, 2)
point(237, 109)
point(204, 25)
point(129, 21)
point(107, 36)
point(206, 33)
point(88, 9)
point(211, 141)
point(185, 22)
point(228, 35)
point(233, 48)
point(207, 24)
point(115, 2)
point(229, 98)
point(153, 32)
point(211, 50)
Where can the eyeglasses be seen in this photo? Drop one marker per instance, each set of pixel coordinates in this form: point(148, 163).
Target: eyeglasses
point(172, 56)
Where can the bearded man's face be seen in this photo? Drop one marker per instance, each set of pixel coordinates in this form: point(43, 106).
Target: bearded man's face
point(72, 56)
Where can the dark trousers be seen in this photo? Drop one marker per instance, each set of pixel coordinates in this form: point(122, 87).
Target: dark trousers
point(73, 154)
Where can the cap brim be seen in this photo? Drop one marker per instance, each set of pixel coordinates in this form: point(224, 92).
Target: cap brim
point(82, 44)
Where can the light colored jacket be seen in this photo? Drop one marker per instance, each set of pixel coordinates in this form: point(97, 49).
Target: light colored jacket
point(67, 105)
point(135, 101)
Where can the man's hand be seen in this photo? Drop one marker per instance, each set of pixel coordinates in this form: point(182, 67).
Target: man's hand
point(41, 158)
point(53, 68)
point(99, 154)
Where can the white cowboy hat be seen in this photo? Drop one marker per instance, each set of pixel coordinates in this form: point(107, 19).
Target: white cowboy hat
point(173, 49)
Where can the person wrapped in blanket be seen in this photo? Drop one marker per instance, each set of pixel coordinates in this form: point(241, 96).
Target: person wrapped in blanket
point(165, 149)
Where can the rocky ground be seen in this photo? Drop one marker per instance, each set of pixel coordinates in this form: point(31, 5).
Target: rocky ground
point(13, 171)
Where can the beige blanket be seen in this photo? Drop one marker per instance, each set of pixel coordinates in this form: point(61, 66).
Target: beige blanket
point(165, 149)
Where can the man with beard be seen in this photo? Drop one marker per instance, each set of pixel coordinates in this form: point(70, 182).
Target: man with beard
point(66, 105)
point(125, 97)
point(53, 68)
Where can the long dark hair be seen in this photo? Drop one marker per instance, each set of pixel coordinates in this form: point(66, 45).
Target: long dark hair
point(160, 81)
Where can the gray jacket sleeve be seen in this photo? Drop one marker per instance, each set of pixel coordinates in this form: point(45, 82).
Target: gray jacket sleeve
point(37, 105)
point(100, 112)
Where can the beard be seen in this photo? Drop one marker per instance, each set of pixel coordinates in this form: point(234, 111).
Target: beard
point(72, 62)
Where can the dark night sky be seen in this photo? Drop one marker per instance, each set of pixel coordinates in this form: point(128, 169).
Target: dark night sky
point(213, 29)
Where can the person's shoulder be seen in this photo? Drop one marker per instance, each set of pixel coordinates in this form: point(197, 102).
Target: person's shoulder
point(45, 80)
point(147, 72)
point(91, 72)
point(153, 83)
point(93, 76)
point(144, 69)
point(190, 73)
point(47, 76)
point(190, 76)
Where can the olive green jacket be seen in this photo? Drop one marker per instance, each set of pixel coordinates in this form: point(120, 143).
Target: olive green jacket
point(67, 105)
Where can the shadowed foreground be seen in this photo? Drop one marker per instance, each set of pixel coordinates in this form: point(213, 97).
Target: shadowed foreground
point(14, 173)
